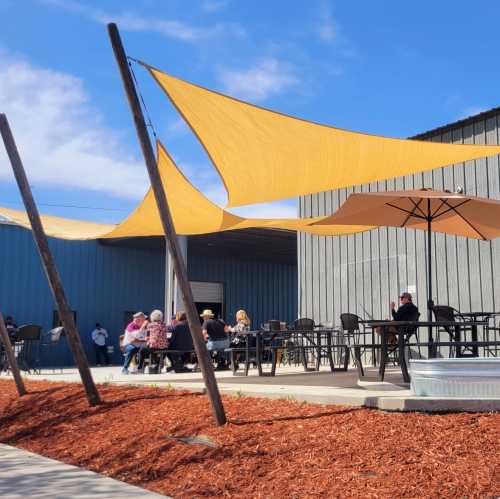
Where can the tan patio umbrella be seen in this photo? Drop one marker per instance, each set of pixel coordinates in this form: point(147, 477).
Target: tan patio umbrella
point(425, 209)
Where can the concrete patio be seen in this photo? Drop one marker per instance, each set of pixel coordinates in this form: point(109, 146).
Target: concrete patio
point(323, 387)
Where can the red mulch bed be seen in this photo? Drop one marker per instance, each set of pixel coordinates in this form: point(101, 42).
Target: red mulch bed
point(270, 448)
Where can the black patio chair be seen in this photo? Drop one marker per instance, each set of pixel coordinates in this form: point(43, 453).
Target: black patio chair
point(27, 347)
point(450, 314)
point(354, 335)
point(305, 327)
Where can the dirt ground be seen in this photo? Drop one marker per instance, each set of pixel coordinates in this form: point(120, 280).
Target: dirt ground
point(269, 448)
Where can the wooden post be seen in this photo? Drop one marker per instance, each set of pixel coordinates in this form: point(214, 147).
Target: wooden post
point(49, 266)
point(202, 353)
point(4, 336)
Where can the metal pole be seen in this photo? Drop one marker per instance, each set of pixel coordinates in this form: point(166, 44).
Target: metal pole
point(430, 303)
point(4, 335)
point(202, 353)
point(48, 263)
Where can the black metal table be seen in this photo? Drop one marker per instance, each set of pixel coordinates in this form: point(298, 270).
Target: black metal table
point(473, 319)
point(402, 329)
point(321, 341)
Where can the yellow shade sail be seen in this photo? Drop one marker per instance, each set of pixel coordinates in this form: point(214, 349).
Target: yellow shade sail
point(192, 213)
point(62, 228)
point(264, 156)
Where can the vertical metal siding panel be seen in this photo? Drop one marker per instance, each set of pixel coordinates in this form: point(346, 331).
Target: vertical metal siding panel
point(421, 257)
point(309, 264)
point(472, 245)
point(330, 285)
point(366, 257)
point(375, 264)
point(440, 243)
point(494, 190)
point(322, 288)
point(463, 270)
point(315, 265)
point(402, 279)
point(451, 241)
point(411, 267)
point(359, 268)
point(343, 284)
point(393, 264)
point(300, 261)
point(484, 247)
point(385, 296)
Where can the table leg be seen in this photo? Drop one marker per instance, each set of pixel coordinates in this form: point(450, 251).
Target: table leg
point(247, 355)
point(402, 357)
point(329, 349)
point(383, 353)
point(258, 353)
point(430, 348)
point(318, 351)
point(475, 349)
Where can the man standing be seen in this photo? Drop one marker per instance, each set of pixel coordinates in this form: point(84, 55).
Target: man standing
point(99, 337)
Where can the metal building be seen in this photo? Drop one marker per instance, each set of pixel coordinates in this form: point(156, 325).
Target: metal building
point(362, 273)
point(107, 282)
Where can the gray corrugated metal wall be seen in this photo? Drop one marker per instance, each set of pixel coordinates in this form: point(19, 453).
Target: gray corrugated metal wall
point(101, 283)
point(265, 290)
point(362, 273)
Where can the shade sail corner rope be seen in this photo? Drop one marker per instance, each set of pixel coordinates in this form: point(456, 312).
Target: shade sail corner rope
point(282, 157)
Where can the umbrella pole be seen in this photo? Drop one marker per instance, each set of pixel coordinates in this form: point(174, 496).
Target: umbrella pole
point(430, 303)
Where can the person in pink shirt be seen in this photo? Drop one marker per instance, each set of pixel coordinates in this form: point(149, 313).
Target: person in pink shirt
point(156, 340)
point(135, 339)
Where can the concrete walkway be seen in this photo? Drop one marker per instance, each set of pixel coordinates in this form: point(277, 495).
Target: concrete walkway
point(27, 475)
point(341, 388)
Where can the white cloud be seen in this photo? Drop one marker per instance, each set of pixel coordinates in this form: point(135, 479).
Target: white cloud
point(214, 5)
point(327, 28)
point(131, 21)
point(269, 77)
point(60, 137)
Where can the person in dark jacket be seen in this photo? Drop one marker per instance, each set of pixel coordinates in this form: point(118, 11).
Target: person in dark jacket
point(180, 340)
point(214, 332)
point(407, 311)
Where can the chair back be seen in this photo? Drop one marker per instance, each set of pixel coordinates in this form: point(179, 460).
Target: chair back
point(413, 318)
point(303, 324)
point(350, 322)
point(444, 313)
point(29, 332)
point(274, 325)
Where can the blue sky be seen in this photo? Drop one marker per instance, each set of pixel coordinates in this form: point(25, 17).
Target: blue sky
point(390, 67)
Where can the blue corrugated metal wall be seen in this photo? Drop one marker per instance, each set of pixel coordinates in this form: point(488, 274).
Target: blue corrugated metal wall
point(101, 283)
point(265, 290)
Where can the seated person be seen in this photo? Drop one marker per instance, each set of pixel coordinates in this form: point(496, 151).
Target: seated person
point(407, 311)
point(156, 339)
point(215, 336)
point(134, 340)
point(12, 328)
point(180, 340)
point(238, 338)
